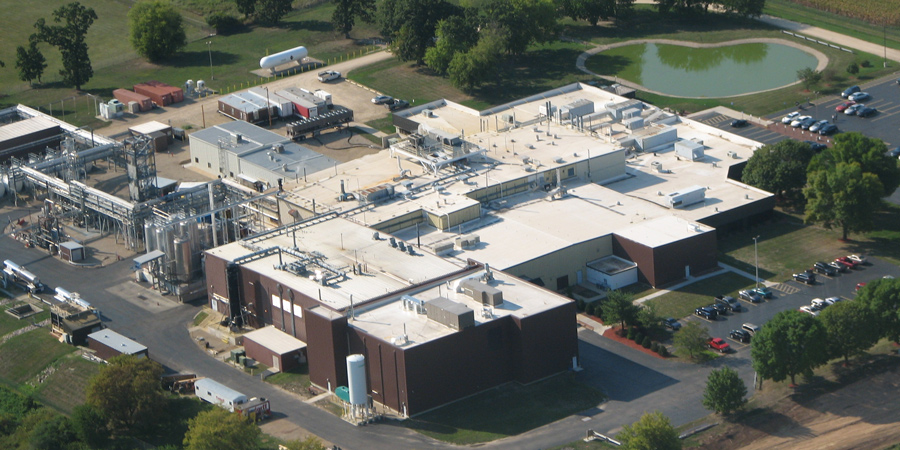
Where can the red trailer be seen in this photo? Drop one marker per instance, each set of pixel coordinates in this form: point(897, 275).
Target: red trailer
point(160, 93)
point(125, 96)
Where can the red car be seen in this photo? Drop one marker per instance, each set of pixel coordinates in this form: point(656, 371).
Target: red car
point(847, 262)
point(843, 106)
point(719, 345)
point(860, 286)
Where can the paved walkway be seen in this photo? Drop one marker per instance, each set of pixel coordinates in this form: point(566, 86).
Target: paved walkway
point(826, 35)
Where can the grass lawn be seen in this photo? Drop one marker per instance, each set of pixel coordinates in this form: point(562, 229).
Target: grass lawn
point(116, 65)
point(64, 388)
point(859, 29)
point(9, 323)
point(506, 411)
point(200, 317)
point(295, 380)
point(684, 301)
point(26, 355)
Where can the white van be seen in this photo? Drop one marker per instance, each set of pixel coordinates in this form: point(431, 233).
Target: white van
point(750, 328)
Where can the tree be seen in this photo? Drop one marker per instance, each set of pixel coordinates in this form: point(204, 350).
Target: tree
point(411, 24)
point(69, 39)
point(524, 22)
point(649, 318)
point(849, 328)
point(749, 8)
point(217, 429)
point(88, 424)
point(272, 11)
point(809, 77)
point(246, 7)
point(127, 393)
point(309, 443)
point(619, 307)
point(454, 35)
point(779, 168)
point(30, 62)
point(652, 431)
point(844, 197)
point(346, 12)
point(788, 345)
point(870, 153)
point(853, 68)
point(590, 10)
point(882, 298)
point(724, 392)
point(692, 339)
point(53, 434)
point(468, 70)
point(156, 29)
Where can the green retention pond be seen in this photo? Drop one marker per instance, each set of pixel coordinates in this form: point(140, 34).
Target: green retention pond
point(704, 72)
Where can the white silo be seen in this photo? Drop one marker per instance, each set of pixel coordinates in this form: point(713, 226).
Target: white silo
point(356, 380)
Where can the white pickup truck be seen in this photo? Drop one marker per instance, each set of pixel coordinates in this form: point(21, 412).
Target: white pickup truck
point(329, 75)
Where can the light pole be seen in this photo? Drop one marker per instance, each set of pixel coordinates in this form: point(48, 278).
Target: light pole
point(756, 257)
point(209, 50)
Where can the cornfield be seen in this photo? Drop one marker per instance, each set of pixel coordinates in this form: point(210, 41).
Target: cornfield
point(876, 12)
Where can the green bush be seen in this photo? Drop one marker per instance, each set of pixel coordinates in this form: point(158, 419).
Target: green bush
point(224, 23)
point(646, 343)
point(620, 332)
point(663, 351)
point(638, 337)
point(866, 63)
point(630, 334)
point(654, 347)
point(579, 305)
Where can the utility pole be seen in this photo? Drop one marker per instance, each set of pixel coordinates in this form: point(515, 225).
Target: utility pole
point(756, 257)
point(209, 50)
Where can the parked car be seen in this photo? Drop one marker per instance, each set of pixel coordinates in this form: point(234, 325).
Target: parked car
point(853, 109)
point(840, 267)
point(728, 301)
point(818, 125)
point(750, 328)
point(828, 129)
point(860, 286)
point(763, 292)
point(706, 313)
point(824, 269)
point(328, 75)
point(860, 259)
point(847, 262)
point(382, 99)
point(867, 111)
point(807, 123)
point(805, 277)
point(833, 300)
point(750, 296)
point(720, 308)
point(737, 123)
point(798, 120)
point(859, 96)
point(818, 304)
point(895, 153)
point(790, 117)
point(740, 336)
point(809, 310)
point(719, 345)
point(843, 106)
point(672, 324)
point(850, 91)
point(397, 105)
point(816, 146)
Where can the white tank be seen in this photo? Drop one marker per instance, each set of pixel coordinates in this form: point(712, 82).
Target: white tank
point(356, 379)
point(294, 54)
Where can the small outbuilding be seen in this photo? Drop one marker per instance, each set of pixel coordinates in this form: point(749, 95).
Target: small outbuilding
point(107, 343)
point(126, 97)
point(271, 346)
point(160, 93)
point(71, 251)
point(161, 134)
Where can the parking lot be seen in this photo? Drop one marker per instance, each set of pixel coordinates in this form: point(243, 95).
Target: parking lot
point(793, 295)
point(884, 125)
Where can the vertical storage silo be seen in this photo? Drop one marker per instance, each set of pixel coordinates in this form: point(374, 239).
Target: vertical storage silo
point(356, 380)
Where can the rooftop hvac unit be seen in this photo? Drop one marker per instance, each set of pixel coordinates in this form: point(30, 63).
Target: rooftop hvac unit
point(442, 248)
point(481, 292)
point(427, 113)
point(507, 118)
point(469, 240)
point(279, 148)
point(657, 166)
point(449, 313)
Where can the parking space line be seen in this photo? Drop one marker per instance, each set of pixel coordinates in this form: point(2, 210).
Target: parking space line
point(786, 288)
point(743, 345)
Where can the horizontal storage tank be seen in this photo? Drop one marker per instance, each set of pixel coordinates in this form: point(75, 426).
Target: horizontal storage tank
point(280, 58)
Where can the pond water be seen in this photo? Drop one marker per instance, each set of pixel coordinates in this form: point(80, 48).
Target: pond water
point(705, 72)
